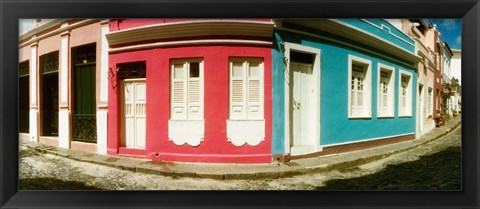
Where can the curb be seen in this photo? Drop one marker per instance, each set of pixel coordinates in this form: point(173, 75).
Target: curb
point(276, 172)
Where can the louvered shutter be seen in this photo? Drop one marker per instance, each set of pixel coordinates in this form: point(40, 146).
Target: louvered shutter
point(237, 90)
point(178, 91)
point(194, 91)
point(255, 94)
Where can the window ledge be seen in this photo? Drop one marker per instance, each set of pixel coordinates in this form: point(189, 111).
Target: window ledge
point(405, 116)
point(360, 117)
point(240, 132)
point(192, 137)
point(385, 116)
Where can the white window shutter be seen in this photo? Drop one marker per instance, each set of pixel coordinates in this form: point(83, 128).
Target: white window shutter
point(195, 89)
point(178, 90)
point(237, 91)
point(255, 87)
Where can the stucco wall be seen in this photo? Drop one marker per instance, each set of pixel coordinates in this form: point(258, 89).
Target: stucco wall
point(335, 126)
point(215, 147)
point(456, 66)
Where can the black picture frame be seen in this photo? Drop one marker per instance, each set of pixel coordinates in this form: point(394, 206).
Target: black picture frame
point(11, 11)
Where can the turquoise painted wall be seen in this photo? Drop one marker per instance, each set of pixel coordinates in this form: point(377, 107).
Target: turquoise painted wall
point(384, 30)
point(335, 126)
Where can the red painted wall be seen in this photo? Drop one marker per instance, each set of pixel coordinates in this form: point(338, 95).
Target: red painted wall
point(215, 147)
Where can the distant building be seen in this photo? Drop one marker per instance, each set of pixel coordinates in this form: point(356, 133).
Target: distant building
point(456, 65)
point(423, 36)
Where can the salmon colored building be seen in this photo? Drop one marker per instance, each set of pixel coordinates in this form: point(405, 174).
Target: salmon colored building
point(62, 80)
point(190, 90)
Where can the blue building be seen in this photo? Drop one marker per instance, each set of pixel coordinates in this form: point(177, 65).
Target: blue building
point(340, 85)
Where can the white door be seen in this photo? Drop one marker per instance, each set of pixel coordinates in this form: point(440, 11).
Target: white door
point(422, 107)
point(302, 109)
point(134, 113)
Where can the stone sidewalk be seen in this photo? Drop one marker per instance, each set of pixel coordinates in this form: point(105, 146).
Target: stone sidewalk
point(249, 171)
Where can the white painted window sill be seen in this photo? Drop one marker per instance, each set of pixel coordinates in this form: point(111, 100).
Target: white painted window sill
point(385, 116)
point(189, 132)
point(360, 117)
point(251, 132)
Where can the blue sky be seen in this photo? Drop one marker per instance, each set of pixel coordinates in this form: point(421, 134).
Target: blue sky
point(451, 30)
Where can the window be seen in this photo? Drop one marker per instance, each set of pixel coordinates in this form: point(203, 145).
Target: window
point(246, 89)
point(385, 91)
point(359, 85)
point(405, 94)
point(430, 101)
point(187, 89)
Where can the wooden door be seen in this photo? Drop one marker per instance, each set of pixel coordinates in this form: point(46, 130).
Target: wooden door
point(134, 113)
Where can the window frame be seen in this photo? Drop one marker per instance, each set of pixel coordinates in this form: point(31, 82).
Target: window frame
point(391, 91)
point(186, 79)
point(430, 94)
point(245, 94)
point(408, 96)
point(366, 111)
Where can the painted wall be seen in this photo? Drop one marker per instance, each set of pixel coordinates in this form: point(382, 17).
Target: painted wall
point(456, 65)
point(335, 126)
point(385, 30)
point(215, 147)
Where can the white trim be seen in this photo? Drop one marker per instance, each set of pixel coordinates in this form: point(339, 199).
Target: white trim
point(196, 28)
point(102, 130)
point(420, 107)
point(430, 99)
point(104, 64)
point(33, 75)
point(317, 74)
point(238, 136)
point(373, 35)
point(189, 132)
point(247, 114)
point(52, 33)
point(186, 80)
point(391, 91)
point(346, 44)
point(367, 88)
point(64, 129)
point(409, 96)
point(33, 125)
point(366, 140)
point(190, 42)
point(390, 32)
point(64, 68)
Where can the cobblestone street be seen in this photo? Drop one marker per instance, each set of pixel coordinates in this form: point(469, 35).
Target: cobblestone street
point(433, 166)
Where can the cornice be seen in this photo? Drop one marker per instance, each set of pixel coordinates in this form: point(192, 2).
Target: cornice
point(63, 30)
point(191, 29)
point(350, 32)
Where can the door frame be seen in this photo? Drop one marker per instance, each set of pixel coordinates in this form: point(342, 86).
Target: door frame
point(420, 101)
point(287, 74)
point(122, 115)
point(421, 108)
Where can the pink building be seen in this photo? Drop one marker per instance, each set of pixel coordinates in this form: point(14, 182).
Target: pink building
point(190, 90)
